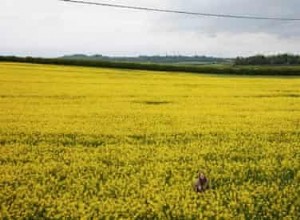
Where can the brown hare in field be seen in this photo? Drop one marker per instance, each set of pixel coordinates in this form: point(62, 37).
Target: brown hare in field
point(201, 183)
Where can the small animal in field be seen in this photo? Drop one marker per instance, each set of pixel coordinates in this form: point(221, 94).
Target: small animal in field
point(201, 184)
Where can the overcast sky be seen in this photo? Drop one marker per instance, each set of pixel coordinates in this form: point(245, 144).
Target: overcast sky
point(53, 28)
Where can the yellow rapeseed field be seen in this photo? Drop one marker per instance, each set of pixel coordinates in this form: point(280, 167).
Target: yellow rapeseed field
point(121, 144)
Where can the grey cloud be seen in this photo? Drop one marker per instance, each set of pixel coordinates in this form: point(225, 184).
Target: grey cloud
point(210, 26)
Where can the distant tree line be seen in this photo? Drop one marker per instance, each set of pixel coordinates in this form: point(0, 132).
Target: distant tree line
point(149, 59)
point(281, 59)
point(202, 69)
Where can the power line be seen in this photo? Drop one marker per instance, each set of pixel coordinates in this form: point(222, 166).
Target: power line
point(182, 12)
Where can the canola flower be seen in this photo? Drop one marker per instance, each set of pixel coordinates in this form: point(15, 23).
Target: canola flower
point(116, 144)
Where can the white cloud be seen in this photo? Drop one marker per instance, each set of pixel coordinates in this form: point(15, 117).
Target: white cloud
point(54, 28)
